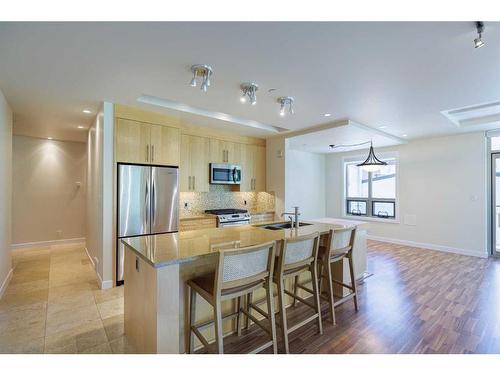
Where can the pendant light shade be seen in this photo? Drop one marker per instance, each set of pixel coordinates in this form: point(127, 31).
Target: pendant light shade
point(372, 163)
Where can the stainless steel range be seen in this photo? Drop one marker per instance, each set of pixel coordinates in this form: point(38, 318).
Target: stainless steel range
point(229, 217)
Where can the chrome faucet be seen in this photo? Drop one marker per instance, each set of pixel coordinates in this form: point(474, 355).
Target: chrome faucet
point(295, 218)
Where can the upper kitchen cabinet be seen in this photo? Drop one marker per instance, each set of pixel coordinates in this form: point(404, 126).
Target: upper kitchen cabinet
point(194, 170)
point(253, 167)
point(225, 152)
point(132, 141)
point(165, 145)
point(140, 142)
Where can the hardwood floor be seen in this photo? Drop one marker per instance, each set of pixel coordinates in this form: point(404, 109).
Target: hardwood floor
point(416, 301)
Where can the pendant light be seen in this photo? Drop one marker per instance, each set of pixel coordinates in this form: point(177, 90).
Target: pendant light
point(372, 163)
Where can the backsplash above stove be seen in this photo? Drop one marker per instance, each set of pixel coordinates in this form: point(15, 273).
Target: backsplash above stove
point(220, 196)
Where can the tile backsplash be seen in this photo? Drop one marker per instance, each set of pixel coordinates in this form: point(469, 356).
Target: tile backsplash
point(222, 196)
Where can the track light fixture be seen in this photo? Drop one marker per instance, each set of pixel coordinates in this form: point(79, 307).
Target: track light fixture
point(478, 42)
point(249, 91)
point(204, 72)
point(286, 102)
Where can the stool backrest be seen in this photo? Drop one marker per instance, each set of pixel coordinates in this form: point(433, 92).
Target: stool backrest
point(298, 251)
point(244, 266)
point(341, 240)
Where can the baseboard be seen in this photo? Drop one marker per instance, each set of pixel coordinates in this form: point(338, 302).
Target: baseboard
point(5, 283)
point(429, 246)
point(28, 245)
point(103, 284)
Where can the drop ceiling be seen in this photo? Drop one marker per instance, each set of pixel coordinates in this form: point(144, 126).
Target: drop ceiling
point(345, 135)
point(392, 74)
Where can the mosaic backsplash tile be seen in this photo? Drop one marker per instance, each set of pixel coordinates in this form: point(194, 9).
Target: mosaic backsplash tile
point(221, 196)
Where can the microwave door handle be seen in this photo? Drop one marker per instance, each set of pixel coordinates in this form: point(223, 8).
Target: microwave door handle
point(234, 174)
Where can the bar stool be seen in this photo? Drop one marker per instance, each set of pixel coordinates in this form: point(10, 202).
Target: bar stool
point(339, 246)
point(296, 256)
point(238, 273)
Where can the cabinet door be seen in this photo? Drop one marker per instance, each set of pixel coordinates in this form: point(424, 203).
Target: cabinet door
point(165, 142)
point(246, 161)
point(199, 149)
point(185, 164)
point(234, 152)
point(217, 151)
point(259, 168)
point(132, 141)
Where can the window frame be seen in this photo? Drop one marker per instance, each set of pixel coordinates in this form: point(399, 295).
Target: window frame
point(386, 156)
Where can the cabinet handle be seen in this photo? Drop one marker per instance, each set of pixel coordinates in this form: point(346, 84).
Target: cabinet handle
point(194, 182)
point(189, 182)
point(147, 152)
point(153, 153)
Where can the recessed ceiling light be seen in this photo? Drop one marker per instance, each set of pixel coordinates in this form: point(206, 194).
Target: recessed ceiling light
point(327, 114)
point(80, 127)
point(382, 127)
point(87, 111)
point(49, 138)
point(405, 135)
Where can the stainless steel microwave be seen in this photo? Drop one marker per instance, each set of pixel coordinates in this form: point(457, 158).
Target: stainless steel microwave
point(225, 174)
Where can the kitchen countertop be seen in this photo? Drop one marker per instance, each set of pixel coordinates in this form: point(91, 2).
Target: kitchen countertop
point(174, 248)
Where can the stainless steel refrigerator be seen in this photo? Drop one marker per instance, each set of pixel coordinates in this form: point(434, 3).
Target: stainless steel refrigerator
point(148, 203)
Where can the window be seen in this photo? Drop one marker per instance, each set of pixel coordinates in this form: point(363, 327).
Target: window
point(371, 194)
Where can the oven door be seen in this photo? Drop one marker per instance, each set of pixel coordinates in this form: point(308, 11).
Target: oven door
point(233, 223)
point(228, 174)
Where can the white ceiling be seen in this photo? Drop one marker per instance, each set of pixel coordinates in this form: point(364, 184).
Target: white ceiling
point(398, 75)
point(345, 135)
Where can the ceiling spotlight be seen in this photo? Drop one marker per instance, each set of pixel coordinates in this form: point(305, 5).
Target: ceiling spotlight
point(249, 90)
point(204, 72)
point(478, 42)
point(286, 102)
point(327, 114)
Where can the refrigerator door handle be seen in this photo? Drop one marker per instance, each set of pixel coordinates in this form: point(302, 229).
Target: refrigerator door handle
point(153, 200)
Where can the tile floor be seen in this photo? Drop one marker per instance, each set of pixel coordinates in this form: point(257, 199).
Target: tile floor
point(53, 305)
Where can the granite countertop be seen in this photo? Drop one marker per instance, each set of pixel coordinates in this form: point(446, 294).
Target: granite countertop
point(174, 248)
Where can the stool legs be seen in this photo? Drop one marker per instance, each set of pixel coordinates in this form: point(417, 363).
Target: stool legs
point(327, 273)
point(295, 290)
point(238, 319)
point(353, 281)
point(192, 309)
point(270, 311)
point(249, 308)
point(314, 273)
point(284, 326)
point(218, 327)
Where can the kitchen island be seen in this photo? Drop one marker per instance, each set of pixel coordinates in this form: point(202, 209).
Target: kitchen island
point(158, 266)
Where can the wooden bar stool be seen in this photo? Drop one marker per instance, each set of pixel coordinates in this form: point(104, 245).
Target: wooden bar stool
point(296, 256)
point(238, 273)
point(339, 246)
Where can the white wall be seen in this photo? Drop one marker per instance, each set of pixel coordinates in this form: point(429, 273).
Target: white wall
point(47, 204)
point(305, 183)
point(5, 191)
point(99, 213)
point(443, 182)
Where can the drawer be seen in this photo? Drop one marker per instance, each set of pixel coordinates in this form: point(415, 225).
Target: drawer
point(193, 224)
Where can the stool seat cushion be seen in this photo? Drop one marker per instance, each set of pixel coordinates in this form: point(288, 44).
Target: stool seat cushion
point(333, 253)
point(206, 283)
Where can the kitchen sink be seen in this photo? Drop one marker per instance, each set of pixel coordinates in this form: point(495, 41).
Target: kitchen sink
point(279, 226)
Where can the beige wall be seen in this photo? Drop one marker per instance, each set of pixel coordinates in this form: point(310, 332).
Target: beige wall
point(99, 214)
point(442, 182)
point(5, 190)
point(47, 203)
